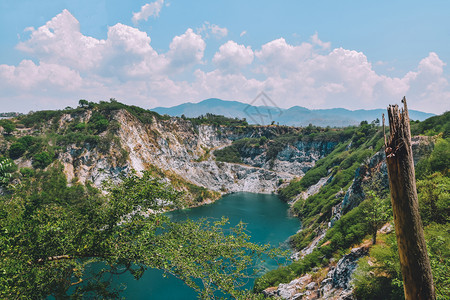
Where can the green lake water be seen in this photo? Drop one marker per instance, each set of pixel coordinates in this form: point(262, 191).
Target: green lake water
point(267, 221)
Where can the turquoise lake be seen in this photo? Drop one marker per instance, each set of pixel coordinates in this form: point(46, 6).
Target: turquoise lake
point(267, 221)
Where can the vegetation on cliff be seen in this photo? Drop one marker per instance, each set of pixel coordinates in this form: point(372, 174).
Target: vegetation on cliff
point(378, 276)
point(54, 231)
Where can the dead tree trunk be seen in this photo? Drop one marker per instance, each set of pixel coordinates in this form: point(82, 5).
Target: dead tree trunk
point(414, 261)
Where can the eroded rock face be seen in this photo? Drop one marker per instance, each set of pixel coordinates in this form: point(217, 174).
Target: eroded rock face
point(176, 145)
point(341, 275)
point(337, 284)
point(295, 159)
point(376, 170)
point(300, 288)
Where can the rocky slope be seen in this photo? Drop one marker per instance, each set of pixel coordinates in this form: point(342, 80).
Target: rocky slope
point(176, 145)
point(336, 284)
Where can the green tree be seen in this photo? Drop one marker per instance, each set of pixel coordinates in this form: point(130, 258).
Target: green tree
point(83, 103)
point(16, 150)
point(8, 126)
point(41, 160)
point(440, 157)
point(376, 213)
point(53, 236)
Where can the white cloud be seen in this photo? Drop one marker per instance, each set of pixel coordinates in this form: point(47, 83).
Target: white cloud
point(186, 50)
point(231, 57)
point(148, 10)
point(219, 31)
point(316, 41)
point(243, 33)
point(60, 41)
point(213, 29)
point(68, 66)
point(278, 57)
point(27, 75)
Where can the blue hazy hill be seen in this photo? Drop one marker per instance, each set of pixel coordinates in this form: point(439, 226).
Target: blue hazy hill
point(294, 116)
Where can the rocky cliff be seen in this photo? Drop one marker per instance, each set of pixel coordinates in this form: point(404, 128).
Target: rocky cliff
point(336, 284)
point(176, 145)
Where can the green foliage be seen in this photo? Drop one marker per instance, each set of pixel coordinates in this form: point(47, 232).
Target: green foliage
point(53, 236)
point(79, 126)
point(98, 122)
point(440, 157)
point(7, 167)
point(16, 150)
point(382, 278)
point(273, 278)
point(27, 141)
point(41, 160)
point(434, 199)
point(27, 172)
point(40, 117)
point(83, 103)
point(438, 245)
point(376, 212)
point(8, 126)
point(228, 154)
point(23, 144)
point(217, 120)
point(348, 230)
point(437, 161)
point(433, 125)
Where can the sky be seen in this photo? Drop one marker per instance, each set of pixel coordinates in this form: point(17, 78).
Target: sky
point(315, 54)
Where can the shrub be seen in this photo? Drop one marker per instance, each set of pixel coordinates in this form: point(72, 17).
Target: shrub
point(80, 126)
point(8, 126)
point(16, 150)
point(41, 160)
point(27, 141)
point(434, 199)
point(39, 117)
point(440, 157)
point(228, 154)
point(382, 278)
point(98, 122)
point(27, 172)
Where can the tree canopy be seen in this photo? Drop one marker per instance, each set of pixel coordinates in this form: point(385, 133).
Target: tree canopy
point(54, 237)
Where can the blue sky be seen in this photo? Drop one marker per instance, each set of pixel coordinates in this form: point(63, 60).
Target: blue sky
point(317, 54)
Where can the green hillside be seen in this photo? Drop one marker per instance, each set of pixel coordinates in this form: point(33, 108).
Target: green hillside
point(54, 230)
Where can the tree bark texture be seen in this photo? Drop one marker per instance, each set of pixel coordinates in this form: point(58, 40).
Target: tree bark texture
point(414, 261)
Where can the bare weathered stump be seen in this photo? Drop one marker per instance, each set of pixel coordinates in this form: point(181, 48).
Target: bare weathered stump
point(414, 261)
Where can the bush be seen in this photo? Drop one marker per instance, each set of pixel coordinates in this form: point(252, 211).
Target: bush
point(228, 154)
point(27, 172)
point(16, 150)
point(27, 141)
point(438, 245)
point(434, 199)
point(382, 279)
point(440, 157)
point(79, 126)
point(8, 126)
point(39, 117)
point(41, 160)
point(437, 161)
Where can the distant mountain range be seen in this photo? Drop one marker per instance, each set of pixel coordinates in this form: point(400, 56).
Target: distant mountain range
point(294, 116)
